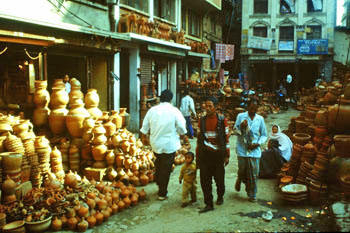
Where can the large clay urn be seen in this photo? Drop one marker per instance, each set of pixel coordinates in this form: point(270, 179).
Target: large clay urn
point(40, 116)
point(57, 120)
point(91, 99)
point(338, 116)
point(59, 98)
point(99, 152)
point(41, 96)
point(75, 118)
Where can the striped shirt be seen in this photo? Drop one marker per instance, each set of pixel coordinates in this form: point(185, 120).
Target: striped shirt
point(211, 134)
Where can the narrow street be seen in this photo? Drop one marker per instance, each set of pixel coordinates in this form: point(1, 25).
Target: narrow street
point(237, 214)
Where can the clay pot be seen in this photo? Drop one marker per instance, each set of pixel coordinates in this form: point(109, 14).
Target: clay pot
point(14, 227)
point(59, 98)
point(92, 221)
point(11, 161)
point(72, 223)
point(41, 96)
point(110, 157)
point(56, 224)
point(117, 119)
point(83, 225)
point(99, 139)
point(110, 128)
point(321, 118)
point(99, 218)
point(142, 195)
point(342, 145)
point(144, 179)
point(347, 92)
point(125, 117)
point(8, 187)
point(57, 120)
point(74, 124)
point(99, 152)
point(339, 115)
point(301, 138)
point(91, 99)
point(89, 123)
point(70, 180)
point(40, 116)
point(321, 131)
point(74, 95)
point(121, 205)
point(134, 199)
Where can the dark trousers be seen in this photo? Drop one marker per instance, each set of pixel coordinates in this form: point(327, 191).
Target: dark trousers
point(212, 165)
point(189, 126)
point(163, 165)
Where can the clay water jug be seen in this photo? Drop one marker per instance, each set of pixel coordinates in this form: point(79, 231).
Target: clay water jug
point(91, 99)
point(59, 98)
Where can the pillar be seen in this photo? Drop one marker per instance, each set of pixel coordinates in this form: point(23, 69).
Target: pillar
point(134, 88)
point(172, 77)
point(116, 84)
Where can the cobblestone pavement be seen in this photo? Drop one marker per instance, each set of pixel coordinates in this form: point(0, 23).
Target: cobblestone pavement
point(237, 214)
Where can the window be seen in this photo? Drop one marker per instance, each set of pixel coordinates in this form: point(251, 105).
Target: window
point(141, 5)
point(193, 23)
point(286, 42)
point(287, 6)
point(260, 6)
point(314, 5)
point(314, 32)
point(164, 9)
point(184, 21)
point(287, 33)
point(261, 32)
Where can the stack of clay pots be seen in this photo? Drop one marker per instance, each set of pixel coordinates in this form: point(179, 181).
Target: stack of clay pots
point(99, 147)
point(75, 92)
point(92, 100)
point(56, 163)
point(41, 100)
point(43, 150)
point(59, 100)
point(74, 158)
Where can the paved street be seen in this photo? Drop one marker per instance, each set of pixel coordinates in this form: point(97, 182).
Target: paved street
point(237, 214)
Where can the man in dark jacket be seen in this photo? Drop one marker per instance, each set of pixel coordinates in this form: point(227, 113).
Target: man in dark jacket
point(213, 151)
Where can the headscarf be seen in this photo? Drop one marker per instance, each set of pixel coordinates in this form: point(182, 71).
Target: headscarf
point(286, 144)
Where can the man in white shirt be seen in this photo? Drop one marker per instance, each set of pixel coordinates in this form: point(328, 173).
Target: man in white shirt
point(187, 107)
point(165, 123)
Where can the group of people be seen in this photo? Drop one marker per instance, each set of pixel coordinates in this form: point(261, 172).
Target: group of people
point(166, 125)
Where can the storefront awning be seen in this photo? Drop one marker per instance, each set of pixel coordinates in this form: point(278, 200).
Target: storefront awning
point(161, 44)
point(161, 49)
point(68, 27)
point(194, 54)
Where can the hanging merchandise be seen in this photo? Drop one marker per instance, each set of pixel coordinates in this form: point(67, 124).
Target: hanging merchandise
point(224, 52)
point(212, 59)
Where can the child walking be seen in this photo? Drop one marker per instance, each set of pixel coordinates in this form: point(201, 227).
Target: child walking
point(188, 174)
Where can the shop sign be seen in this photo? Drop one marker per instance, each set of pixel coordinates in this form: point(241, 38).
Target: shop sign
point(286, 45)
point(317, 46)
point(256, 42)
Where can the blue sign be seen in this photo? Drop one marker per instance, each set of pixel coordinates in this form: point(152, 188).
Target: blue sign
point(312, 47)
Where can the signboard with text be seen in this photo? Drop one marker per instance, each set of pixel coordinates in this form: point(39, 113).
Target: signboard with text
point(256, 42)
point(286, 45)
point(312, 47)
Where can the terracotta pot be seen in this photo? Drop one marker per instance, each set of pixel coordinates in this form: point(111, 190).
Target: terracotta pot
point(321, 118)
point(99, 152)
point(57, 120)
point(75, 94)
point(338, 116)
point(99, 139)
point(8, 187)
point(110, 157)
point(89, 123)
point(41, 97)
point(321, 131)
point(342, 144)
point(40, 116)
point(11, 161)
point(23, 126)
point(74, 124)
point(125, 117)
point(117, 119)
point(92, 99)
point(301, 138)
point(110, 128)
point(56, 224)
point(59, 98)
point(14, 227)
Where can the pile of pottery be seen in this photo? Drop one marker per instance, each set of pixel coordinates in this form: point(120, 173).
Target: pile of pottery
point(294, 192)
point(59, 100)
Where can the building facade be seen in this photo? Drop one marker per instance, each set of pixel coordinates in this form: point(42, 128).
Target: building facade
point(281, 37)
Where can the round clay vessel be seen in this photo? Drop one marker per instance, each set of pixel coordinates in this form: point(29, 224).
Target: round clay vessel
point(40, 116)
point(57, 120)
point(59, 98)
point(91, 99)
point(339, 115)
